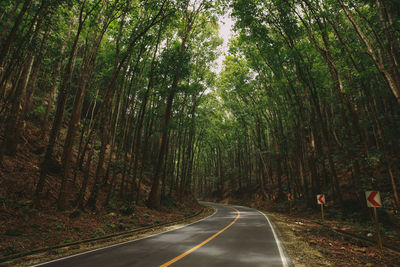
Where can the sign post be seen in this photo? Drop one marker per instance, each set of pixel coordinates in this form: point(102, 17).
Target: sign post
point(374, 201)
point(321, 201)
point(290, 198)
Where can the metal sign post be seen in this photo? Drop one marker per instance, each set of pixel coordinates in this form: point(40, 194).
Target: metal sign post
point(374, 201)
point(322, 213)
point(378, 232)
point(290, 198)
point(321, 201)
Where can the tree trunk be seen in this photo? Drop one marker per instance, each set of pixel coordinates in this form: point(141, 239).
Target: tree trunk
point(13, 124)
point(56, 74)
point(388, 77)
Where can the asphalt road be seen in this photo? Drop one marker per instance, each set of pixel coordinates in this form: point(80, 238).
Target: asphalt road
point(233, 236)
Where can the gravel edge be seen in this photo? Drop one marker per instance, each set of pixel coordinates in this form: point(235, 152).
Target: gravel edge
point(299, 251)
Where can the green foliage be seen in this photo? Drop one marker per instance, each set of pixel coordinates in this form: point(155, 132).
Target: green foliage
point(299, 105)
point(128, 208)
point(39, 111)
point(35, 225)
point(111, 225)
point(13, 232)
point(168, 202)
point(8, 250)
point(75, 214)
point(58, 226)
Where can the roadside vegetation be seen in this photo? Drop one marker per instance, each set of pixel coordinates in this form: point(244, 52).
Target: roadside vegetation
point(115, 107)
point(98, 105)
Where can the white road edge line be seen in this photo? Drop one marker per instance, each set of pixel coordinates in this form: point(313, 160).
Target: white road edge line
point(126, 242)
point(277, 240)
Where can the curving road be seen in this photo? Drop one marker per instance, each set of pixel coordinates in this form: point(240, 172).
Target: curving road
point(232, 236)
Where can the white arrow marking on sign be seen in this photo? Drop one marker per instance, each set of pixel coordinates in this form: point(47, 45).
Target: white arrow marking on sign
point(373, 199)
point(321, 199)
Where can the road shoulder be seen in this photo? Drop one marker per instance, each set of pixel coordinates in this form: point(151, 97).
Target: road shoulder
point(297, 248)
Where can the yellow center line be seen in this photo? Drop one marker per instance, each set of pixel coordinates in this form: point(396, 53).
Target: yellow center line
point(202, 243)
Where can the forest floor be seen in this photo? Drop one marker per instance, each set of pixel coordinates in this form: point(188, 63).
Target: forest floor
point(310, 243)
point(24, 228)
point(103, 226)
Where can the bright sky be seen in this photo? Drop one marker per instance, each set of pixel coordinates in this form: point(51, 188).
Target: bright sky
point(225, 31)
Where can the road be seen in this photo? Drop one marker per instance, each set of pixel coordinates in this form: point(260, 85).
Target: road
point(232, 236)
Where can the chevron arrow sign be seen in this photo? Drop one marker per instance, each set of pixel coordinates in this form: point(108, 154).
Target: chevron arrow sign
point(373, 199)
point(321, 199)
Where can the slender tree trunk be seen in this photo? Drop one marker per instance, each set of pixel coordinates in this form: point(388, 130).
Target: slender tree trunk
point(13, 124)
point(58, 118)
point(56, 75)
point(7, 42)
point(388, 77)
point(10, 16)
point(82, 192)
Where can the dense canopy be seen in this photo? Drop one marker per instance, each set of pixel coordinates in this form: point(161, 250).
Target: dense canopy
point(130, 107)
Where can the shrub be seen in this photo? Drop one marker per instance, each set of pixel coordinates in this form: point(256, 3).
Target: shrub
point(128, 208)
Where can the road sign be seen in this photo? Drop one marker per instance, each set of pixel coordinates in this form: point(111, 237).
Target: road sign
point(290, 196)
point(373, 199)
point(321, 199)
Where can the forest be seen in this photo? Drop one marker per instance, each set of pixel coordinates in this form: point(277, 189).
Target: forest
point(117, 103)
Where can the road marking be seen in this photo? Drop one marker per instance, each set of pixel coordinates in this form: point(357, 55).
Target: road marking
point(202, 243)
point(277, 241)
point(123, 243)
